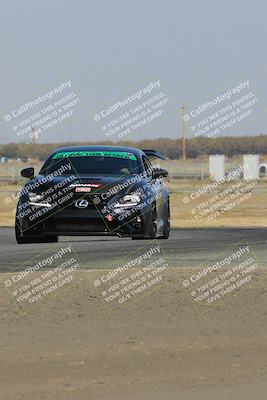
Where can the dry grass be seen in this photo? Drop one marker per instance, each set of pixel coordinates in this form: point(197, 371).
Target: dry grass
point(13, 167)
point(252, 213)
point(8, 204)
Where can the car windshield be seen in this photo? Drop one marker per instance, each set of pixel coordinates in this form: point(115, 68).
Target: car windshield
point(92, 163)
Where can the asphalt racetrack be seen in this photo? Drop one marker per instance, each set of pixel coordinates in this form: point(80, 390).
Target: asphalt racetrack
point(158, 347)
point(185, 247)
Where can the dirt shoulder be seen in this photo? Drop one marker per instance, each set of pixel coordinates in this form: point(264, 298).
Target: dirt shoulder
point(157, 348)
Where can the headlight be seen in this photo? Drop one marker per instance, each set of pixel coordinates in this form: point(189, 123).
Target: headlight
point(38, 200)
point(129, 200)
point(35, 197)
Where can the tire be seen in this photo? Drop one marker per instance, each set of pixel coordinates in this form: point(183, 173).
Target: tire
point(153, 228)
point(152, 233)
point(167, 224)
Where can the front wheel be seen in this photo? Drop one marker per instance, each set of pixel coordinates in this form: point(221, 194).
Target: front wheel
point(167, 224)
point(153, 228)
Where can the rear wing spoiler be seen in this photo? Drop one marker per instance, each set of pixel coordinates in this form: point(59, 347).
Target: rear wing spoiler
point(155, 153)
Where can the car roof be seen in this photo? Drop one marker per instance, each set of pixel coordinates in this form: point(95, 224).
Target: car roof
point(137, 152)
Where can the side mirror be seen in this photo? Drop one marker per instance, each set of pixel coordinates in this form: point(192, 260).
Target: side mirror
point(159, 173)
point(27, 172)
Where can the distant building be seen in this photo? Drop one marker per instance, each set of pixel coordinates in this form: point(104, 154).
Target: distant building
point(251, 164)
point(4, 160)
point(216, 167)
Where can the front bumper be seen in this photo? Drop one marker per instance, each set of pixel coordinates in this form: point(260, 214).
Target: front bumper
point(72, 221)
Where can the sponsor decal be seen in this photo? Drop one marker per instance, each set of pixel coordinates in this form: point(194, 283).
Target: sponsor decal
point(108, 154)
point(83, 189)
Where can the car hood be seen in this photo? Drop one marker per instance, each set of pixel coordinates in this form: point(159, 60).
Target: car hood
point(113, 185)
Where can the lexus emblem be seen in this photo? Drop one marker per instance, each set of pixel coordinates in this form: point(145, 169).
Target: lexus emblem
point(82, 203)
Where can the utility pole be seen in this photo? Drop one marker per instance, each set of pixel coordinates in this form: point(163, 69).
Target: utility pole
point(183, 109)
point(34, 135)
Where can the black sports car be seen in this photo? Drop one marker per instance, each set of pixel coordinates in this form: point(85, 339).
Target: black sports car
point(94, 190)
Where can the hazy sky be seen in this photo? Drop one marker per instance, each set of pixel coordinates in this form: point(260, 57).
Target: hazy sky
point(114, 48)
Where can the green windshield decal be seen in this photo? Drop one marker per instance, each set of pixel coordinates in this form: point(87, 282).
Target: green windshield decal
point(114, 154)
